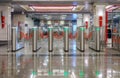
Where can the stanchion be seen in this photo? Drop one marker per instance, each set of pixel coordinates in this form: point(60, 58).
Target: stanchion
point(81, 39)
point(16, 43)
point(98, 39)
point(35, 46)
point(34, 39)
point(66, 39)
point(50, 39)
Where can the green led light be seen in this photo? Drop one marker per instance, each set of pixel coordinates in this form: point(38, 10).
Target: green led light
point(97, 29)
point(49, 29)
point(97, 73)
point(66, 73)
point(82, 29)
point(34, 73)
point(34, 28)
point(81, 73)
point(50, 73)
point(66, 28)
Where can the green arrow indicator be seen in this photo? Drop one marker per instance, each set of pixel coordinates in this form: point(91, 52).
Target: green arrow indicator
point(82, 29)
point(81, 73)
point(50, 73)
point(34, 73)
point(97, 73)
point(97, 29)
point(66, 73)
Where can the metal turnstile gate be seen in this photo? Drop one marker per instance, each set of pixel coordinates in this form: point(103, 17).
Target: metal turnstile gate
point(34, 39)
point(94, 42)
point(16, 43)
point(66, 39)
point(35, 36)
point(98, 39)
point(50, 39)
point(81, 39)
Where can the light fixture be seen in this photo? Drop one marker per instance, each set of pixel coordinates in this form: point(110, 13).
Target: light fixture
point(32, 8)
point(52, 7)
point(77, 8)
point(67, 8)
point(74, 8)
point(107, 7)
point(27, 7)
point(112, 7)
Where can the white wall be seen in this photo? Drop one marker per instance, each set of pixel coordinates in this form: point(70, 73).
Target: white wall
point(23, 19)
point(99, 11)
point(29, 21)
point(18, 18)
point(4, 32)
point(80, 20)
point(86, 17)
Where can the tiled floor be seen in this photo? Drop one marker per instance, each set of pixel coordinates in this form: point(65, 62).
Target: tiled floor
point(59, 64)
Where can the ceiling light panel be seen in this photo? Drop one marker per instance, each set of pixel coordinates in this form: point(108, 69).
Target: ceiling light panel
point(67, 8)
point(52, 7)
point(27, 8)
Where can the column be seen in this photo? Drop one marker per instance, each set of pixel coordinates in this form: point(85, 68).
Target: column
point(5, 31)
point(99, 18)
point(86, 21)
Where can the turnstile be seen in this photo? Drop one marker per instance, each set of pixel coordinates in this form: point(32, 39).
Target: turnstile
point(98, 39)
point(35, 36)
point(66, 39)
point(50, 39)
point(94, 42)
point(81, 39)
point(17, 44)
point(34, 39)
point(116, 38)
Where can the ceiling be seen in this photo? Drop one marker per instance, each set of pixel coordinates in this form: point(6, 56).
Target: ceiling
point(80, 6)
point(16, 4)
point(43, 2)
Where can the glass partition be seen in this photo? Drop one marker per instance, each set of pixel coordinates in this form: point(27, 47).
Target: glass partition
point(94, 39)
point(115, 25)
